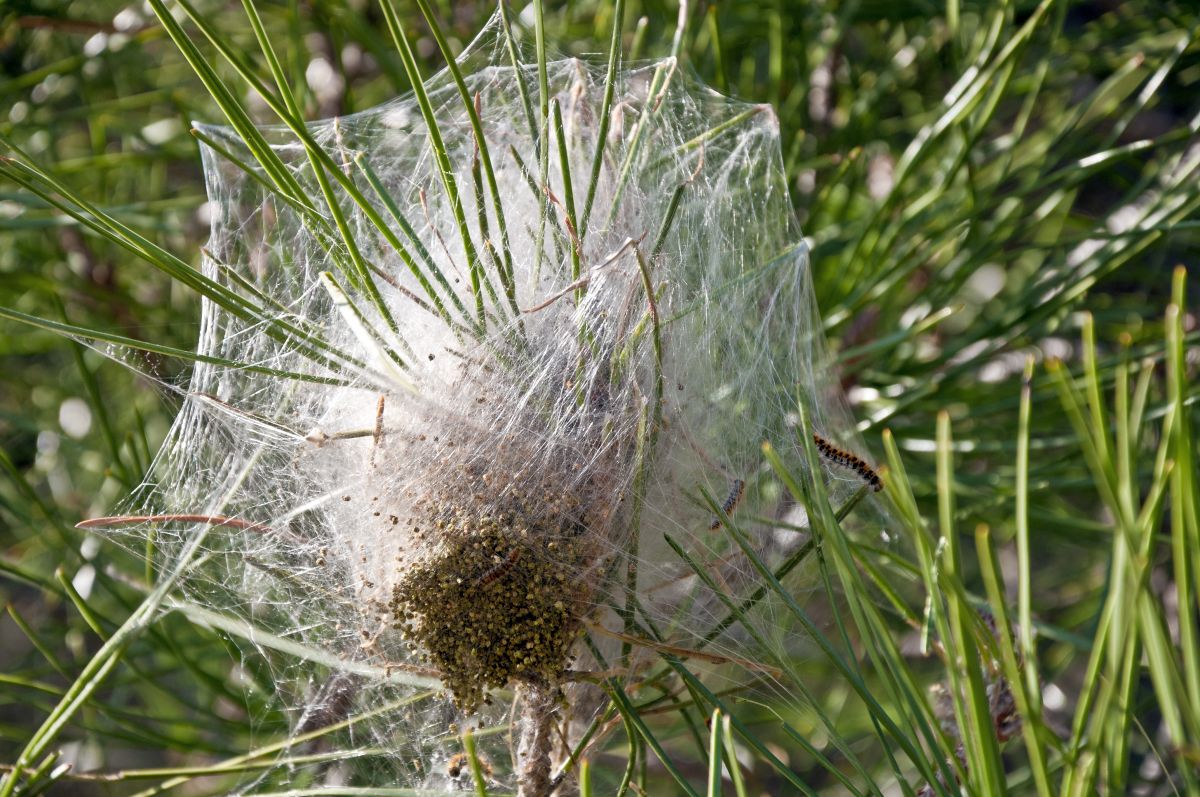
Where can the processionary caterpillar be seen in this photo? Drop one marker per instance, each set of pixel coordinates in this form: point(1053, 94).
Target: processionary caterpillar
point(844, 458)
point(499, 569)
point(456, 765)
point(731, 502)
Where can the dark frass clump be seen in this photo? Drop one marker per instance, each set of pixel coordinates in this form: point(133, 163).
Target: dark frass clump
point(497, 597)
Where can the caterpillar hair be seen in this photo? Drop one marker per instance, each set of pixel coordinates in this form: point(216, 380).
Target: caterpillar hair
point(499, 569)
point(734, 498)
point(844, 458)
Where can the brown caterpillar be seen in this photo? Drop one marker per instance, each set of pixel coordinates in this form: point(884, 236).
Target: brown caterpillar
point(735, 497)
point(844, 458)
point(499, 569)
point(459, 765)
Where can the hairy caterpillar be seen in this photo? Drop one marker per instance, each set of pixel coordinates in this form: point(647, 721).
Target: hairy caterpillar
point(844, 458)
point(734, 498)
point(456, 765)
point(499, 569)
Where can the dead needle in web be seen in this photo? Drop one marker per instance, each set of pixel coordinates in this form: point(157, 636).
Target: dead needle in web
point(117, 521)
point(685, 653)
point(255, 420)
point(378, 427)
point(437, 232)
point(319, 437)
point(584, 280)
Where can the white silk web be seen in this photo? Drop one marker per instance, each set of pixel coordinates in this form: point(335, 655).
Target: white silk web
point(437, 426)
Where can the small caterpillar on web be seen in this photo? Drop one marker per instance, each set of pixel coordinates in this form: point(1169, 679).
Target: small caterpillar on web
point(734, 498)
point(844, 458)
point(498, 569)
point(460, 765)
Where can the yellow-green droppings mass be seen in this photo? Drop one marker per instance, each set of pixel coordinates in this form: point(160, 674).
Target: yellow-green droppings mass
point(498, 599)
